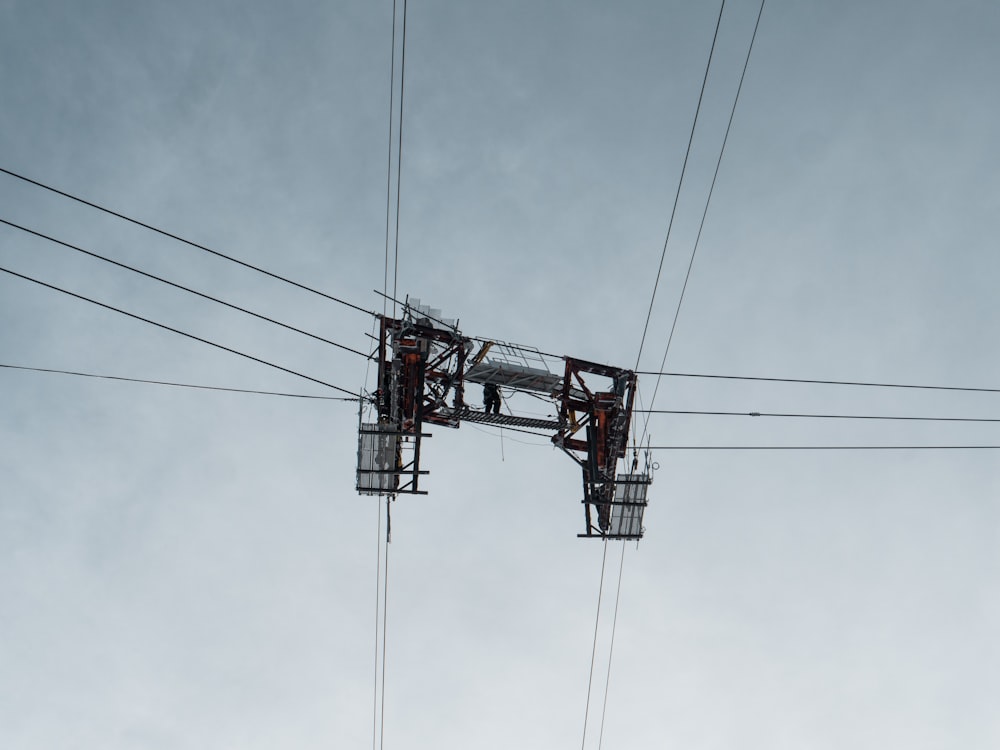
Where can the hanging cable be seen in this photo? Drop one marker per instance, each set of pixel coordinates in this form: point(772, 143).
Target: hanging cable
point(379, 709)
point(593, 652)
point(176, 385)
point(399, 158)
point(708, 201)
point(821, 416)
point(195, 292)
point(195, 245)
point(680, 183)
point(378, 598)
point(680, 300)
point(817, 447)
point(822, 382)
point(611, 651)
point(388, 167)
point(177, 331)
point(385, 609)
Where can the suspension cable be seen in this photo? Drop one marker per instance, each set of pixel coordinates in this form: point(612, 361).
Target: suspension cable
point(611, 651)
point(388, 167)
point(399, 157)
point(195, 245)
point(680, 182)
point(385, 611)
point(593, 652)
point(178, 331)
point(174, 284)
point(378, 598)
point(173, 384)
point(704, 213)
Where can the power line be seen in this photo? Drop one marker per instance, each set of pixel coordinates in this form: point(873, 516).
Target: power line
point(816, 447)
point(176, 385)
point(593, 653)
point(680, 182)
point(385, 611)
point(821, 382)
point(611, 650)
point(154, 277)
point(382, 587)
point(178, 331)
point(817, 416)
point(151, 228)
point(708, 200)
point(378, 601)
point(399, 152)
point(388, 169)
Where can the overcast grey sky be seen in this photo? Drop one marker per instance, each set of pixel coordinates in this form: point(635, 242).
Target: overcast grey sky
point(193, 569)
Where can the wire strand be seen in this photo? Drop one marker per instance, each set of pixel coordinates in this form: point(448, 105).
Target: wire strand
point(388, 167)
point(177, 385)
point(378, 596)
point(593, 652)
point(820, 416)
point(680, 182)
point(385, 611)
point(177, 331)
point(704, 213)
point(816, 447)
point(162, 280)
point(399, 158)
point(821, 382)
point(172, 236)
point(611, 650)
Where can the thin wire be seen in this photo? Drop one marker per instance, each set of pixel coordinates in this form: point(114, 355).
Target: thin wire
point(399, 157)
point(821, 382)
point(178, 331)
point(708, 201)
point(385, 610)
point(385, 285)
point(611, 651)
point(821, 416)
point(817, 447)
point(593, 652)
point(151, 228)
point(680, 182)
point(195, 292)
point(388, 168)
point(176, 385)
point(378, 594)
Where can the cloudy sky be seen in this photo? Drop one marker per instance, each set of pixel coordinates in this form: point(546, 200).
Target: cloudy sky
point(193, 569)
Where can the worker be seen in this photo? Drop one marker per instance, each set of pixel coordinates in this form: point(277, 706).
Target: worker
point(491, 398)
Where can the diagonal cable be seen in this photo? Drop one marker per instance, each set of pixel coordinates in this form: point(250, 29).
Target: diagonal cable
point(162, 280)
point(175, 385)
point(680, 183)
point(708, 201)
point(172, 236)
point(807, 381)
point(593, 652)
point(817, 447)
point(177, 331)
point(611, 650)
point(885, 417)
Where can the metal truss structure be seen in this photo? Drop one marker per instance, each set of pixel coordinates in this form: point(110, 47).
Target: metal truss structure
point(424, 363)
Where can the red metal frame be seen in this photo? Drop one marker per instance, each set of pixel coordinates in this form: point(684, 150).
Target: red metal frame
point(422, 366)
point(605, 417)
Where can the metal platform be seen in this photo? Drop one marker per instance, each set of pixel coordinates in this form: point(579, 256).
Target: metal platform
point(501, 420)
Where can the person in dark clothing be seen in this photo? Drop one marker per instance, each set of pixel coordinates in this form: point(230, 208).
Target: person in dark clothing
point(491, 398)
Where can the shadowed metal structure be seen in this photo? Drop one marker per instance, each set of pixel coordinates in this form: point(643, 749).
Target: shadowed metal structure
point(424, 364)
